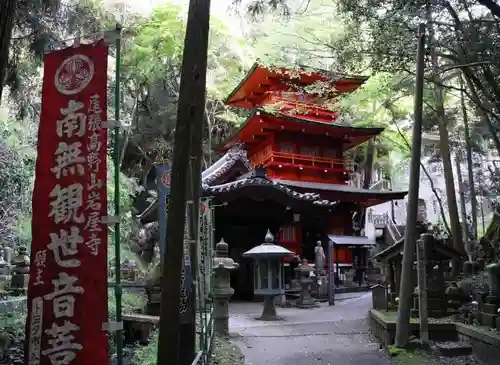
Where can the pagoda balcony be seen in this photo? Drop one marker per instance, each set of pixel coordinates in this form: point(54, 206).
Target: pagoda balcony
point(302, 108)
point(270, 158)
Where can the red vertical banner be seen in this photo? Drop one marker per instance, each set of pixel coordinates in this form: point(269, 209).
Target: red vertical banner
point(67, 296)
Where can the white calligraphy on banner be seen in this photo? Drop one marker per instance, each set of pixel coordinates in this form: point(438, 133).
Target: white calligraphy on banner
point(93, 203)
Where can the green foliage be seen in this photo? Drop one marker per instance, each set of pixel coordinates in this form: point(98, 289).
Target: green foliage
point(13, 323)
point(152, 60)
point(132, 302)
point(146, 355)
point(17, 163)
point(128, 189)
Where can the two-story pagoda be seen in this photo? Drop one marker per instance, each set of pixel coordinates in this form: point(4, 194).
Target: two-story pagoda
point(284, 169)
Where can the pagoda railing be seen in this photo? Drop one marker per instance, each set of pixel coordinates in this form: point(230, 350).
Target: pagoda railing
point(268, 157)
point(289, 104)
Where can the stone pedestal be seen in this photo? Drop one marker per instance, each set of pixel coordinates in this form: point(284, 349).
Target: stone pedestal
point(269, 311)
point(221, 313)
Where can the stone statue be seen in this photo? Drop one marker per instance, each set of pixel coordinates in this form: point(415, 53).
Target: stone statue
point(319, 258)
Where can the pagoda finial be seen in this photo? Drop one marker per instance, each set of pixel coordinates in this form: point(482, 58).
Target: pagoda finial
point(269, 239)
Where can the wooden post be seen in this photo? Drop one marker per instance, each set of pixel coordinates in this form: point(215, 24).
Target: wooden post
point(405, 287)
point(422, 256)
point(190, 114)
point(331, 275)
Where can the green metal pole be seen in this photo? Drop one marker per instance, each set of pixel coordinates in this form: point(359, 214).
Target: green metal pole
point(116, 159)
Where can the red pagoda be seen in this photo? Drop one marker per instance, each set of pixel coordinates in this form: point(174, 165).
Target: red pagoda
point(285, 169)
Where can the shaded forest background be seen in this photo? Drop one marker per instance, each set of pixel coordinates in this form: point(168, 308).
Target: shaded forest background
point(377, 38)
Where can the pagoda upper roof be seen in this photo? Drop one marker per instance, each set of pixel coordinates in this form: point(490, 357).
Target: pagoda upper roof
point(251, 91)
point(261, 122)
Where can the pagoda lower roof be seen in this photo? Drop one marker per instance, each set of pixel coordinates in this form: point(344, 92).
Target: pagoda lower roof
point(260, 79)
point(262, 122)
point(256, 185)
point(223, 166)
point(347, 193)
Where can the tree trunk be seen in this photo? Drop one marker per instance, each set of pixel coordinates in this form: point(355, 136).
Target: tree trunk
point(461, 191)
point(7, 14)
point(470, 172)
point(405, 287)
point(444, 147)
point(190, 117)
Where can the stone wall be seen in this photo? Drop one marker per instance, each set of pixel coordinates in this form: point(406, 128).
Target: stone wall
point(384, 329)
point(485, 343)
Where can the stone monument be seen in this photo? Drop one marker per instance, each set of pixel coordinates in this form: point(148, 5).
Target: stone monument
point(3, 263)
point(20, 272)
point(305, 300)
point(7, 256)
point(489, 311)
point(4, 278)
point(222, 290)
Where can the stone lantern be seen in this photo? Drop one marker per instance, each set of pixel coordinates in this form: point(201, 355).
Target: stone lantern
point(222, 291)
point(305, 300)
point(20, 271)
point(268, 273)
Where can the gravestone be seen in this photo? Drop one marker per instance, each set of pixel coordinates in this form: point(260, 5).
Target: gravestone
point(489, 312)
point(379, 297)
point(349, 278)
point(20, 272)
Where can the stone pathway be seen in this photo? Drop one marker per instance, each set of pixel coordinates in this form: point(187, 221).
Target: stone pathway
point(327, 335)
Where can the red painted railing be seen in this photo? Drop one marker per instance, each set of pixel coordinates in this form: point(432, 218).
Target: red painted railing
point(268, 157)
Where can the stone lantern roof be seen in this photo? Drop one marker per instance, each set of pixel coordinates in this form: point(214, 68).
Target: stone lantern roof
point(268, 249)
point(221, 259)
